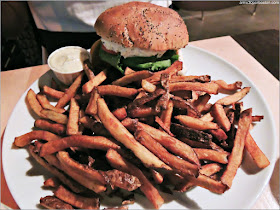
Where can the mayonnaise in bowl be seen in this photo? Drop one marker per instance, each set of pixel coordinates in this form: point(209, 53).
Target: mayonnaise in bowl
point(67, 62)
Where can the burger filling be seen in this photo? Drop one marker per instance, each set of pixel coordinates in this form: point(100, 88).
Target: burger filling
point(136, 58)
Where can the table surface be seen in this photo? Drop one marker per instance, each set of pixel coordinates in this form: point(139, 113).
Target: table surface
point(14, 83)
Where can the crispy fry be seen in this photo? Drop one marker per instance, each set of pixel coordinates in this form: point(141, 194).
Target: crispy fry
point(169, 142)
point(180, 166)
point(201, 102)
point(236, 155)
point(142, 111)
point(219, 115)
point(49, 126)
point(157, 176)
point(96, 81)
point(183, 104)
point(52, 92)
point(55, 116)
point(210, 87)
point(223, 86)
point(92, 142)
point(121, 134)
point(231, 99)
point(162, 125)
point(219, 134)
point(146, 98)
point(147, 86)
point(257, 118)
point(210, 169)
point(195, 144)
point(76, 200)
point(255, 152)
point(46, 104)
point(208, 154)
point(115, 90)
point(118, 162)
point(33, 103)
point(128, 71)
point(88, 69)
point(95, 126)
point(92, 104)
point(202, 78)
point(74, 186)
point(184, 94)
point(70, 92)
point(207, 117)
point(120, 113)
point(52, 182)
point(23, 140)
point(166, 115)
point(195, 123)
point(162, 102)
point(173, 69)
point(133, 77)
point(51, 202)
point(73, 120)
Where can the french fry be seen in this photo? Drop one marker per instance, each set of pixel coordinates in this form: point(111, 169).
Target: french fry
point(49, 126)
point(219, 115)
point(128, 71)
point(210, 88)
point(52, 92)
point(162, 125)
point(88, 69)
point(255, 152)
point(96, 81)
point(73, 120)
point(25, 139)
point(158, 178)
point(210, 169)
point(52, 182)
point(120, 113)
point(141, 94)
point(174, 145)
point(133, 77)
point(55, 116)
point(207, 117)
point(183, 104)
point(92, 104)
point(202, 78)
point(146, 98)
point(173, 69)
point(74, 186)
point(51, 202)
point(91, 142)
point(46, 104)
point(201, 102)
point(147, 86)
point(121, 134)
point(236, 155)
point(219, 134)
point(33, 103)
point(70, 92)
point(257, 118)
point(162, 102)
point(115, 90)
point(118, 162)
point(224, 87)
point(184, 94)
point(208, 154)
point(180, 166)
point(195, 144)
point(142, 111)
point(76, 200)
point(195, 123)
point(166, 115)
point(231, 99)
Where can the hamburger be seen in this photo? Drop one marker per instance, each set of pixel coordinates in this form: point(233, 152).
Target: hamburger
point(139, 35)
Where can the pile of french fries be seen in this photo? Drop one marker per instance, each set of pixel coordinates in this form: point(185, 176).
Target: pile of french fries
point(139, 133)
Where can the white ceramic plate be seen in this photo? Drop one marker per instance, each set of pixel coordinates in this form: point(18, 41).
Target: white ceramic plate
point(25, 177)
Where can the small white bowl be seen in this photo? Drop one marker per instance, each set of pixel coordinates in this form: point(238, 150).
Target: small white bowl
point(67, 63)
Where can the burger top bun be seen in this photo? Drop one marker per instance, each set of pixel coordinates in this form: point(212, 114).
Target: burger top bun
point(143, 25)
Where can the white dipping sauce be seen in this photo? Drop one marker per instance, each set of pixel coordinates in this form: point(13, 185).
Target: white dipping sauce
point(68, 59)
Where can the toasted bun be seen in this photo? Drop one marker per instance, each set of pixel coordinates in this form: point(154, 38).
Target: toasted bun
point(143, 25)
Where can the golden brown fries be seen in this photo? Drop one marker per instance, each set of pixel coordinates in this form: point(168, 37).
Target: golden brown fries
point(51, 202)
point(258, 156)
point(231, 99)
point(219, 115)
point(224, 87)
point(121, 134)
point(46, 104)
point(52, 92)
point(195, 123)
point(55, 116)
point(115, 90)
point(209, 154)
point(180, 166)
point(93, 142)
point(162, 125)
point(70, 92)
point(52, 182)
point(235, 158)
point(147, 86)
point(158, 178)
point(73, 120)
point(92, 104)
point(97, 80)
point(210, 87)
point(128, 71)
point(56, 128)
point(202, 78)
point(201, 102)
point(257, 118)
point(132, 77)
point(77, 200)
point(120, 113)
point(33, 103)
point(25, 139)
point(88, 69)
point(117, 161)
point(166, 115)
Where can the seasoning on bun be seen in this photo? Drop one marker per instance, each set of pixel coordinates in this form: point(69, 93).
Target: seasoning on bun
point(140, 35)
